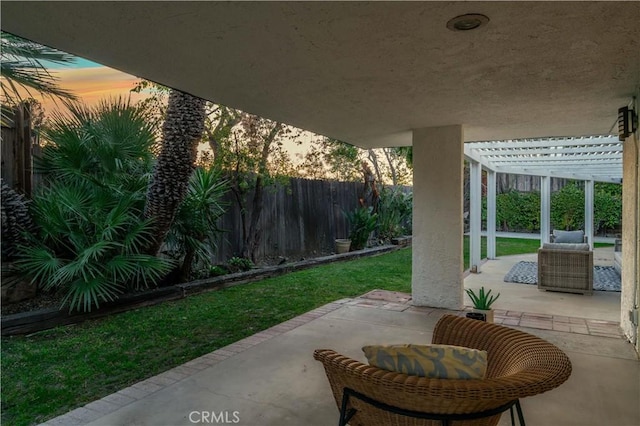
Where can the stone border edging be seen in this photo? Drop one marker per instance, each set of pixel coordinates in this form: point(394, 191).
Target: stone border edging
point(44, 319)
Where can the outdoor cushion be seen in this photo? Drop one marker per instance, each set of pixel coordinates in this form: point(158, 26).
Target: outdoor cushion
point(572, 237)
point(564, 246)
point(433, 361)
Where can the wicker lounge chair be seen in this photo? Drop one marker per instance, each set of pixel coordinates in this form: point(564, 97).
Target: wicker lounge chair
point(519, 365)
point(565, 267)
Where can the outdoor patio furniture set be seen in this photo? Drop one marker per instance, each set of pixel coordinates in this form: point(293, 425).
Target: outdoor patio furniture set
point(408, 385)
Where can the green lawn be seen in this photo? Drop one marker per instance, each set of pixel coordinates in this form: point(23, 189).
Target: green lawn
point(49, 373)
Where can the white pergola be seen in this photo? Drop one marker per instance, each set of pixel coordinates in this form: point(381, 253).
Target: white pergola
point(590, 159)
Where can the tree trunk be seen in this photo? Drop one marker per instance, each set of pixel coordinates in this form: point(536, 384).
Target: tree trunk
point(253, 237)
point(181, 133)
point(390, 156)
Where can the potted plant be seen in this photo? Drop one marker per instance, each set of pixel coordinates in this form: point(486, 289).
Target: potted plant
point(343, 245)
point(482, 302)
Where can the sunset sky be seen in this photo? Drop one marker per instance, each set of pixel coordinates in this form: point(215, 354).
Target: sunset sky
point(91, 82)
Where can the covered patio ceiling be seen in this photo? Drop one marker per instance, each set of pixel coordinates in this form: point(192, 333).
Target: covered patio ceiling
point(584, 158)
point(368, 73)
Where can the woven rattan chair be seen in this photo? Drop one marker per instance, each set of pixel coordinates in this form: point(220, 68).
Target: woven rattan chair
point(519, 365)
point(569, 271)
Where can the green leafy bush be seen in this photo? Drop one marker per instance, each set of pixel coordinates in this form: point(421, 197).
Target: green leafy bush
point(607, 206)
point(362, 222)
point(216, 271)
point(394, 213)
point(191, 238)
point(518, 211)
point(91, 232)
point(567, 208)
point(239, 264)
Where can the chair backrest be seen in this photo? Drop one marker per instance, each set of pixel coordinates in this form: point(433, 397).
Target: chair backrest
point(568, 237)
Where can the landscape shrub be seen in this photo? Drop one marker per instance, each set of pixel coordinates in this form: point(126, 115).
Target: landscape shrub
point(607, 207)
point(394, 213)
point(192, 237)
point(239, 264)
point(567, 208)
point(518, 211)
point(91, 235)
point(362, 222)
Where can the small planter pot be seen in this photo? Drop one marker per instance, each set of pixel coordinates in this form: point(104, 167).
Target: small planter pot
point(481, 314)
point(343, 246)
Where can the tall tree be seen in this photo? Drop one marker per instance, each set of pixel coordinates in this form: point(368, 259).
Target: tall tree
point(333, 159)
point(181, 132)
point(251, 150)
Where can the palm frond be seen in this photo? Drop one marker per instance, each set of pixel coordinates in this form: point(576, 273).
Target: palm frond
point(22, 69)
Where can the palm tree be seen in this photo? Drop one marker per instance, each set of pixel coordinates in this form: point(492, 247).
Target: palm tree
point(181, 133)
point(22, 70)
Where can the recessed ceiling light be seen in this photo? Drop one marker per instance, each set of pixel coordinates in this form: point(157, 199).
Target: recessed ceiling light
point(467, 22)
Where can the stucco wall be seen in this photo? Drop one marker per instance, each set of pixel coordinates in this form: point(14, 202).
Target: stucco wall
point(630, 236)
point(437, 279)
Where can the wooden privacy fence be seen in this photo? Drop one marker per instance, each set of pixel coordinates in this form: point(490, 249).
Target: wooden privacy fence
point(300, 219)
point(19, 145)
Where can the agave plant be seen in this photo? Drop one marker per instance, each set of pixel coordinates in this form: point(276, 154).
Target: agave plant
point(92, 233)
point(483, 300)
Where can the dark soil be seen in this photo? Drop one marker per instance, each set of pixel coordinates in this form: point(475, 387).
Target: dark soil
point(41, 301)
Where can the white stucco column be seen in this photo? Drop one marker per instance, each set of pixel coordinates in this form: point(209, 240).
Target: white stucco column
point(545, 209)
point(475, 215)
point(491, 214)
point(437, 217)
point(588, 211)
point(630, 295)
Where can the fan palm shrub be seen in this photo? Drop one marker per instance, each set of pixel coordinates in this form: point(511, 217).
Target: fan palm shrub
point(92, 234)
point(23, 71)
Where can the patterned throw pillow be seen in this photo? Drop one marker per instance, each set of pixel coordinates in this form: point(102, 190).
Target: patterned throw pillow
point(433, 361)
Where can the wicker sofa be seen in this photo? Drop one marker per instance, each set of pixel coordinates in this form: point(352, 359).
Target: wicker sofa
point(519, 365)
point(566, 266)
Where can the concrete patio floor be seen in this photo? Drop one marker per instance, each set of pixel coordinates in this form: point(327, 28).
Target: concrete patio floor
point(271, 378)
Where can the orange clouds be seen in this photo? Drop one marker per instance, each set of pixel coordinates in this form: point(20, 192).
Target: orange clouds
point(94, 84)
